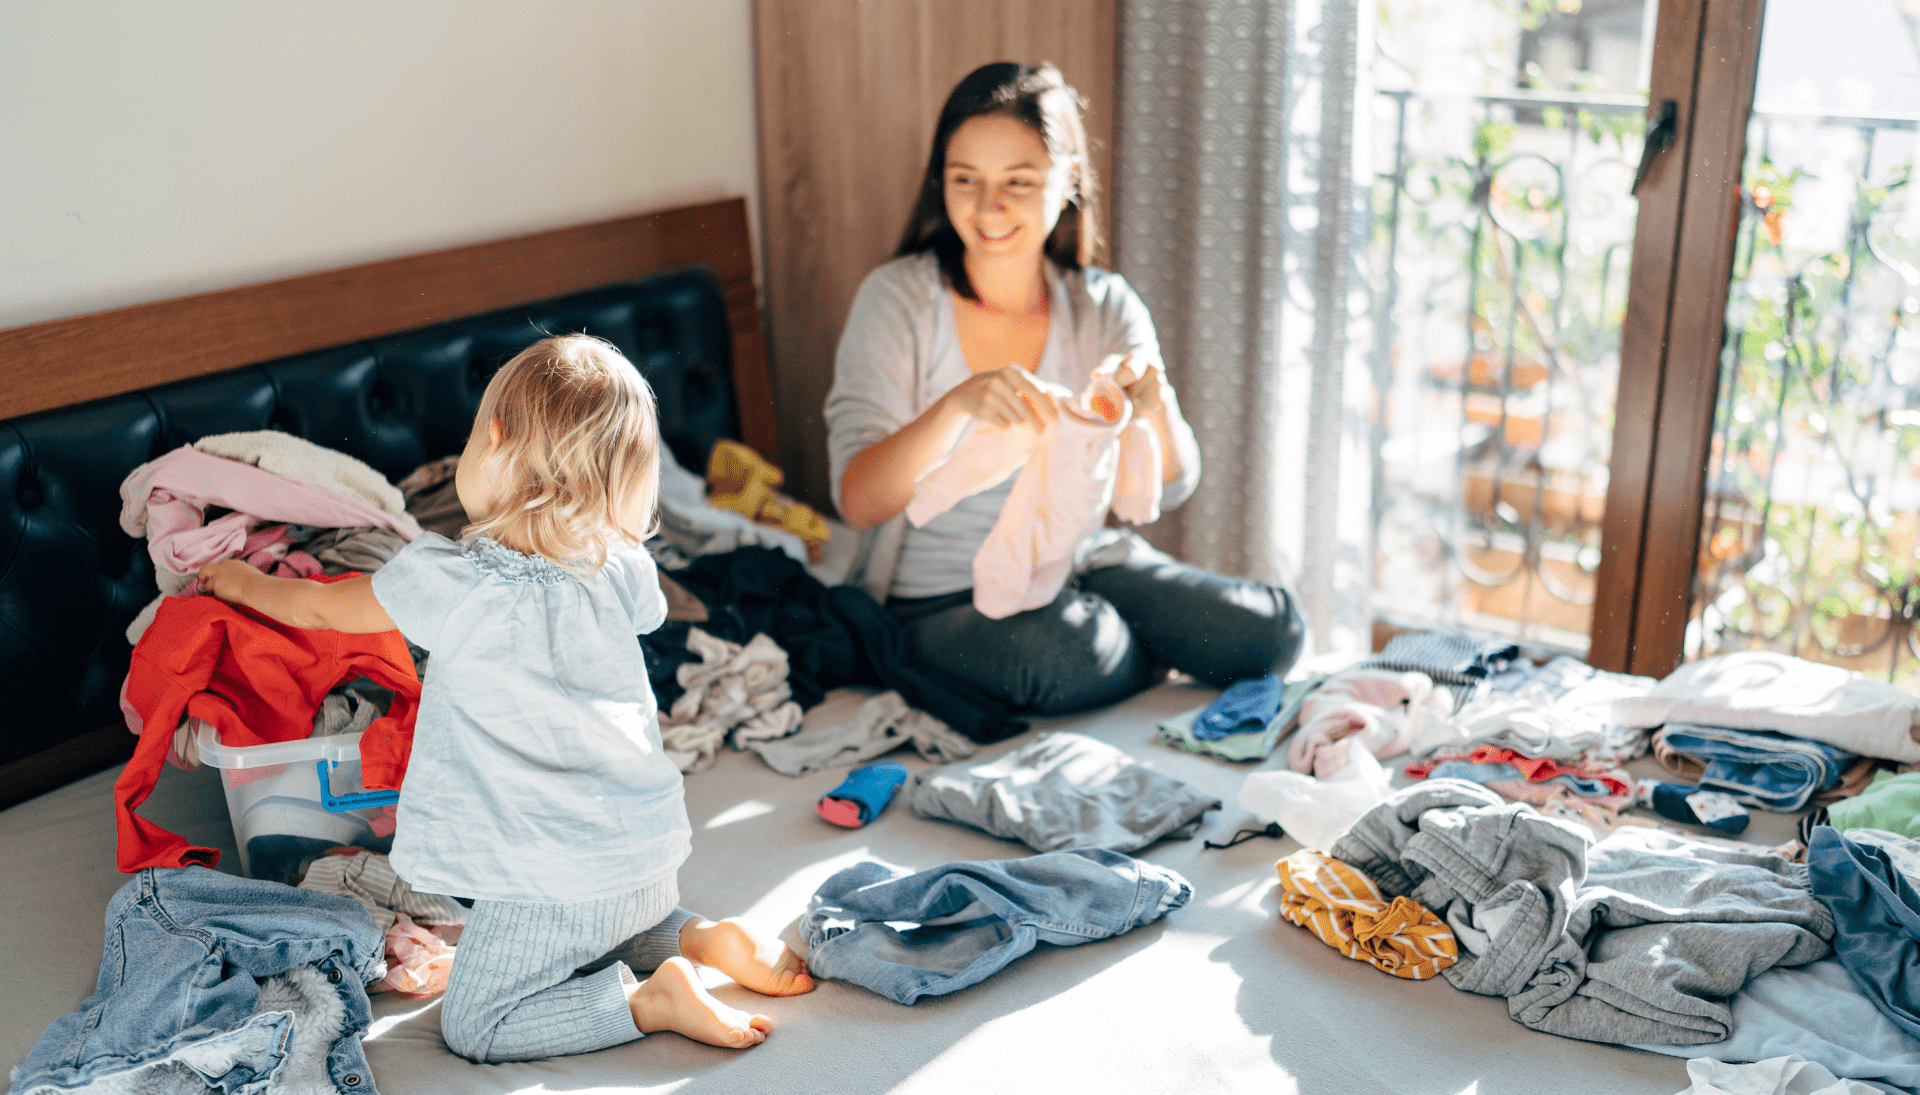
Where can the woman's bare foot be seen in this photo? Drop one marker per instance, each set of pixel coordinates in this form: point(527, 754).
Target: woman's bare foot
point(674, 999)
point(752, 958)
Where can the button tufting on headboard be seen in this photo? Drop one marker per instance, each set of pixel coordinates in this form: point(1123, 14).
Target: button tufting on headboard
point(71, 580)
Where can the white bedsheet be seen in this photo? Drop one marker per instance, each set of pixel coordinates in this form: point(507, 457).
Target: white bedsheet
point(1220, 996)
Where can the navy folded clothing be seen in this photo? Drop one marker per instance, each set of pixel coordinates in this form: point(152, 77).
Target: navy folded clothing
point(1460, 663)
point(1452, 659)
point(1876, 921)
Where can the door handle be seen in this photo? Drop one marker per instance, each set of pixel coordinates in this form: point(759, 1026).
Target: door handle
point(1662, 128)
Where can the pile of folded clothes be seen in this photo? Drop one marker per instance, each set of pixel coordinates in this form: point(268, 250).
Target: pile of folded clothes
point(1775, 732)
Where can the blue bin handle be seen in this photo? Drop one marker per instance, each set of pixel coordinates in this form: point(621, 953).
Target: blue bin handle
point(358, 800)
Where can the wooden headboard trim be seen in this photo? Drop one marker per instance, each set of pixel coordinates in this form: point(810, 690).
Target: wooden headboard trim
point(81, 358)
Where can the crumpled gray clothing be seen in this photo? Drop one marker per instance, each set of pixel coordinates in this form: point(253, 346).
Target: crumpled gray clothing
point(438, 508)
point(366, 548)
point(880, 725)
point(1064, 791)
point(1636, 939)
point(345, 711)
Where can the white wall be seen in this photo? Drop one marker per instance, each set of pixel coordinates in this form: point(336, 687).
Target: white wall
point(151, 150)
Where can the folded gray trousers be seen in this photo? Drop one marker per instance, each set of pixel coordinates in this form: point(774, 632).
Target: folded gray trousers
point(1639, 938)
point(1064, 791)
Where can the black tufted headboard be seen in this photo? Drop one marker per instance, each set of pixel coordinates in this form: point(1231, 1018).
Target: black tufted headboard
point(71, 580)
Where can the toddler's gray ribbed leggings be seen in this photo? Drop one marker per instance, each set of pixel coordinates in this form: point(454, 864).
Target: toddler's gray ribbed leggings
point(513, 994)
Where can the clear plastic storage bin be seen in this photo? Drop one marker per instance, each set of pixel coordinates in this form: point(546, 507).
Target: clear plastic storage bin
point(286, 799)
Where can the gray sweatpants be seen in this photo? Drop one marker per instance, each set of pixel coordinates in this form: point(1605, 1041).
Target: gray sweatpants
point(513, 994)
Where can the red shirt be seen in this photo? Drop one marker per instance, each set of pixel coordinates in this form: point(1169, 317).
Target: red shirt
point(256, 681)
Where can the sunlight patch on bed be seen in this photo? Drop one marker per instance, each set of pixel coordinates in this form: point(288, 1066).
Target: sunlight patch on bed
point(1045, 1008)
point(1244, 896)
point(788, 898)
point(745, 811)
point(386, 1023)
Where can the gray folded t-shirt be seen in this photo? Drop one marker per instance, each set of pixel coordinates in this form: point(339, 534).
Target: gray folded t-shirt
point(1064, 791)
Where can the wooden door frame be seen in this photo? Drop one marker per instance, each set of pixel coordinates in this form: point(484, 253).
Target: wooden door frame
point(1705, 58)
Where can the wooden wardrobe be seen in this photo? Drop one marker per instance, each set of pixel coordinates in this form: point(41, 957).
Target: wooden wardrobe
point(849, 91)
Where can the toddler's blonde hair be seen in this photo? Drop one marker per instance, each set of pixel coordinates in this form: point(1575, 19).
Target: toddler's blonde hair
point(577, 468)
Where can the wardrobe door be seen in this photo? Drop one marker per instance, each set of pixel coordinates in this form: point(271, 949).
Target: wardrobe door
point(849, 93)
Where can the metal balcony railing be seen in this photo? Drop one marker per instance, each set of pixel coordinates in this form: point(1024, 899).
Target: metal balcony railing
point(1810, 539)
point(1502, 235)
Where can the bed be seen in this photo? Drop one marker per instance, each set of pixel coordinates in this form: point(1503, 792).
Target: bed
point(1220, 996)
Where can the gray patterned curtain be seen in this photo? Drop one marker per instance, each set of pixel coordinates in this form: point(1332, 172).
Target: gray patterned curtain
point(1240, 216)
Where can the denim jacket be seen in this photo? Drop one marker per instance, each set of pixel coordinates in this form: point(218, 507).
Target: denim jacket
point(184, 947)
point(911, 935)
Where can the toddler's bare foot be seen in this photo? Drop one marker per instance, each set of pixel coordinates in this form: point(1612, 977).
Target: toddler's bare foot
point(674, 999)
point(747, 954)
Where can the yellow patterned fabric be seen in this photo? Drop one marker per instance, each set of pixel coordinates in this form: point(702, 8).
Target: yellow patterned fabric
point(739, 480)
point(1347, 911)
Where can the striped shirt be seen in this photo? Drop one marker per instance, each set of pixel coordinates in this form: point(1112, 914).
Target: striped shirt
point(1346, 910)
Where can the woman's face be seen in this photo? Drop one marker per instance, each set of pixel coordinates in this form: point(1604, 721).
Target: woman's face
point(1004, 192)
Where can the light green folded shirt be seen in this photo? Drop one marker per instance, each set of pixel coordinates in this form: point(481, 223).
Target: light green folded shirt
point(1891, 802)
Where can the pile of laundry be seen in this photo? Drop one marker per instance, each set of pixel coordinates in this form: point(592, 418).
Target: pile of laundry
point(1643, 937)
point(1524, 864)
point(1775, 732)
point(289, 507)
point(767, 640)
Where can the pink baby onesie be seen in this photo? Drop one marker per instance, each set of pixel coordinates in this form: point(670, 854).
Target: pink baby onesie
point(1096, 456)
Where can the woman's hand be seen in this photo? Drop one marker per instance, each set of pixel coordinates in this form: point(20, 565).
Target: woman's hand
point(1003, 397)
point(1144, 379)
point(1145, 384)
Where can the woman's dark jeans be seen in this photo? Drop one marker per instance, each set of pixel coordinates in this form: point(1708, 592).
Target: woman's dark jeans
point(1102, 638)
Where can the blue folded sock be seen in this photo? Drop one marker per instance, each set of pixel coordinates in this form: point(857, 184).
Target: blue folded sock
point(863, 794)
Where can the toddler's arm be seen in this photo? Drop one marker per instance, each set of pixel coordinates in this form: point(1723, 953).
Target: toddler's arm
point(338, 606)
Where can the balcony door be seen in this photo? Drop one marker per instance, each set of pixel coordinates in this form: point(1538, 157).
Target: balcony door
point(1514, 237)
point(1775, 483)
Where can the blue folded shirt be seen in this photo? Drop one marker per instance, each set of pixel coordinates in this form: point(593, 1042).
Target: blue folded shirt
point(1758, 767)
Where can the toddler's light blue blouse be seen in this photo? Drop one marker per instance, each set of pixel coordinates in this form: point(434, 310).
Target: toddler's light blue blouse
point(537, 772)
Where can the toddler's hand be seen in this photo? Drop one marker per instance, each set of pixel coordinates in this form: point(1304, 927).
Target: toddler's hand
point(227, 579)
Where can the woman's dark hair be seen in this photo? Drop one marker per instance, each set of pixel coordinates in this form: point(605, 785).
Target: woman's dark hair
point(1038, 96)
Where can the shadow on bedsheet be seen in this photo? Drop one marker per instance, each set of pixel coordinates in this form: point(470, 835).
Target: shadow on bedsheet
point(838, 1038)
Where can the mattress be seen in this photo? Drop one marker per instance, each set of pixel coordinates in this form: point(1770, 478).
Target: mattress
point(1219, 996)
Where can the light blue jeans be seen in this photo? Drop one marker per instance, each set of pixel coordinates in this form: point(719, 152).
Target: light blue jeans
point(907, 935)
point(178, 984)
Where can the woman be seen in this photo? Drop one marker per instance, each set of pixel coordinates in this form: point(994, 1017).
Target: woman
point(990, 292)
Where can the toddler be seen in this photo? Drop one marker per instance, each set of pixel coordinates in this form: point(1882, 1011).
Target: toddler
point(537, 785)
